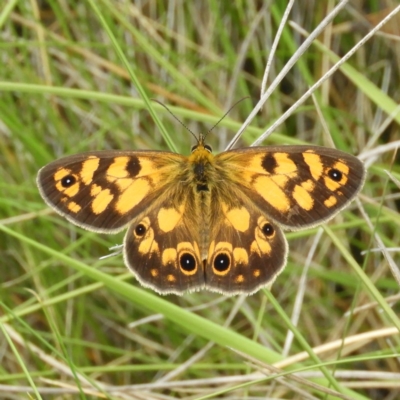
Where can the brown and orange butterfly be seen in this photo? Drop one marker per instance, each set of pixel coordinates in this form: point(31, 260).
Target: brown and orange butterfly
point(203, 221)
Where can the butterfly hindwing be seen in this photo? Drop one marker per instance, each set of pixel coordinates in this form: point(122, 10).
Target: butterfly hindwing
point(247, 250)
point(163, 245)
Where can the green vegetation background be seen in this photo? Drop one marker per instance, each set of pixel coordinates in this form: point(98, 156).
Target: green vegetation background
point(76, 326)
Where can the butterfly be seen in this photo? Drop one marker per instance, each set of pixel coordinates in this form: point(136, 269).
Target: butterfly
point(203, 221)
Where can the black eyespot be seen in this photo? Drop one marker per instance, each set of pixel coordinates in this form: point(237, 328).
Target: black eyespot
point(187, 262)
point(222, 262)
point(194, 148)
point(268, 230)
point(335, 175)
point(140, 230)
point(68, 181)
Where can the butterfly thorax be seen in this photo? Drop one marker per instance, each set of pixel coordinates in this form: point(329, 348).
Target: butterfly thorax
point(201, 175)
point(202, 166)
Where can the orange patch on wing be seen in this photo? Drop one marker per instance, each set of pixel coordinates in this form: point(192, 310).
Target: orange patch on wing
point(74, 207)
point(89, 167)
point(254, 164)
point(168, 218)
point(303, 198)
point(101, 201)
point(147, 243)
point(169, 256)
point(117, 169)
point(147, 167)
point(132, 196)
point(61, 173)
point(315, 164)
point(330, 202)
point(240, 256)
point(239, 218)
point(331, 184)
point(124, 183)
point(272, 193)
point(95, 190)
point(239, 279)
point(280, 180)
point(171, 278)
point(69, 191)
point(223, 246)
point(309, 185)
point(285, 166)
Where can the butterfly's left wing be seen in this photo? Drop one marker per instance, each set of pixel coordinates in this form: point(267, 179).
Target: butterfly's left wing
point(103, 191)
point(296, 186)
point(106, 190)
point(162, 246)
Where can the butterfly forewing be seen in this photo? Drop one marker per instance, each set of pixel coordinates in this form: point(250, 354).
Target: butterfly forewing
point(297, 186)
point(102, 191)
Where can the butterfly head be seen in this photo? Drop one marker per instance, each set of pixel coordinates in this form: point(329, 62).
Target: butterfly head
point(201, 153)
point(201, 145)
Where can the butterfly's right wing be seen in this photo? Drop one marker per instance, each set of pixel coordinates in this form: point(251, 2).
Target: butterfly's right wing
point(247, 249)
point(297, 186)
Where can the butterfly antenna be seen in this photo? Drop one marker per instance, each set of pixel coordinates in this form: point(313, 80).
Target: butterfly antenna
point(185, 126)
point(230, 109)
